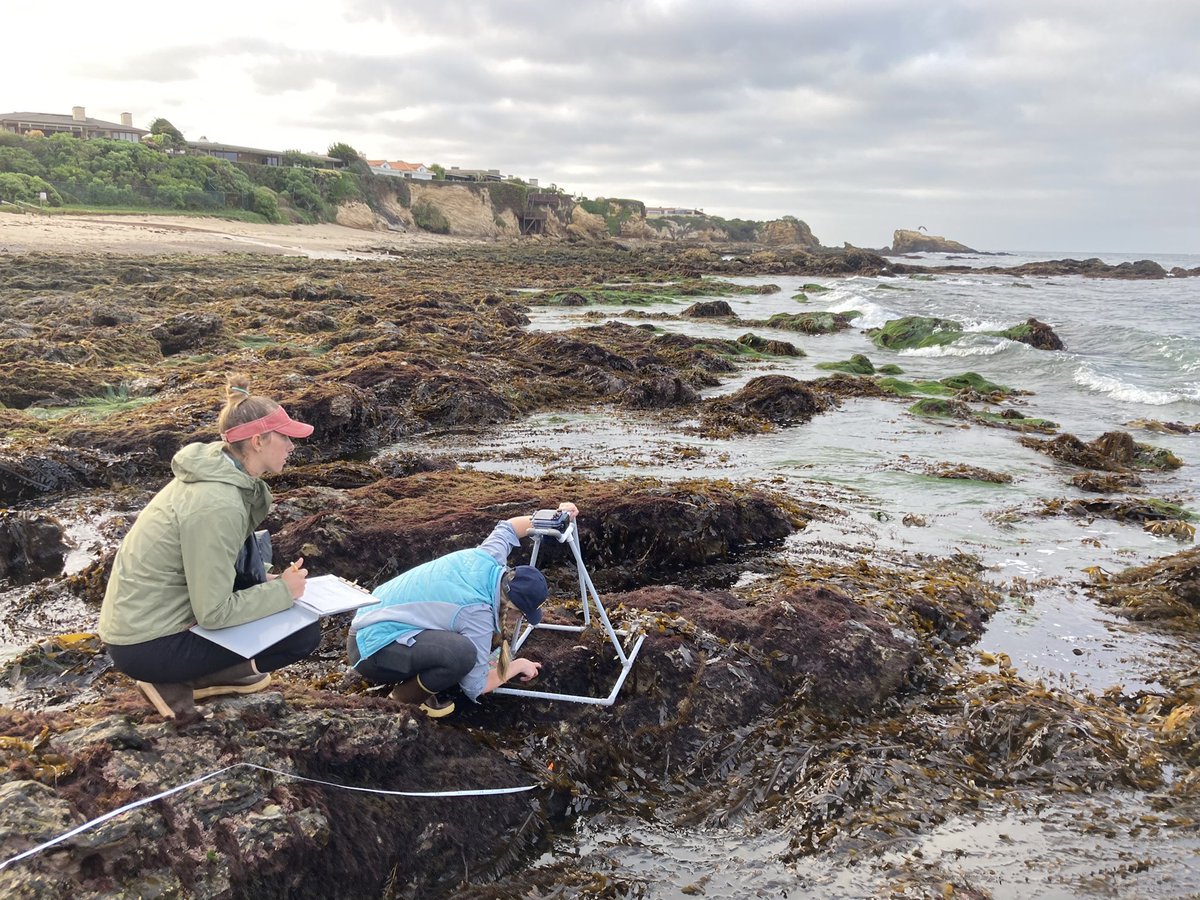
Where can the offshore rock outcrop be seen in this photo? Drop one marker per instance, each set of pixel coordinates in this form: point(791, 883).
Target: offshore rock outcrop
point(905, 241)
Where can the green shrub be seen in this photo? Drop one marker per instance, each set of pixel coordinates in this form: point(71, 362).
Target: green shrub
point(429, 218)
point(265, 204)
point(344, 188)
point(506, 195)
point(18, 159)
point(16, 186)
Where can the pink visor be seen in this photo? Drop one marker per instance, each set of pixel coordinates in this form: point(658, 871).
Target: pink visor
point(278, 420)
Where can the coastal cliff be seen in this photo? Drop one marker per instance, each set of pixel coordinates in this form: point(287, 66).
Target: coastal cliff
point(500, 211)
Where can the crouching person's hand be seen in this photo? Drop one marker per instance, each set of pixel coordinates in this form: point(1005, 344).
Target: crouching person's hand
point(523, 669)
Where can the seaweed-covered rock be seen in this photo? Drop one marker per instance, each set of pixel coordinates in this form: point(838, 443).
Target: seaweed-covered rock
point(188, 331)
point(1168, 588)
point(709, 309)
point(858, 364)
point(54, 468)
point(1113, 451)
point(813, 322)
point(712, 664)
point(848, 658)
point(1095, 483)
point(1036, 334)
point(632, 532)
point(911, 332)
point(1012, 419)
point(765, 401)
point(772, 347)
point(976, 383)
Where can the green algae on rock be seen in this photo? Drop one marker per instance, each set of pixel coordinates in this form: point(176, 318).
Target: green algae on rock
point(859, 364)
point(813, 322)
point(915, 332)
point(769, 347)
point(957, 409)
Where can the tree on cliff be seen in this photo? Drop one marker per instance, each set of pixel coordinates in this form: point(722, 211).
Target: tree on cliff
point(168, 136)
point(345, 153)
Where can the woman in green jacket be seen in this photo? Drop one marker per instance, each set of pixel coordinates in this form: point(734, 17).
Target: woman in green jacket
point(175, 567)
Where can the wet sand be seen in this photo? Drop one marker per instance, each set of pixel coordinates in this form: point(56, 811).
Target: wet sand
point(141, 235)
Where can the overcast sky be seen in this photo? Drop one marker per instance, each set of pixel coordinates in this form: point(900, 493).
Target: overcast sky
point(1069, 125)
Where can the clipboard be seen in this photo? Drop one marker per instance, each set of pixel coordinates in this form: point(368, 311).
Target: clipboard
point(328, 595)
point(324, 595)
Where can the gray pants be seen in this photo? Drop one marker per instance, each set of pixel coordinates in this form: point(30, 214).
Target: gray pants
point(441, 658)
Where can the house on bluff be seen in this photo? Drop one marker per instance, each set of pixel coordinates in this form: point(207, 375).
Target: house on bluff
point(255, 155)
point(78, 124)
point(400, 169)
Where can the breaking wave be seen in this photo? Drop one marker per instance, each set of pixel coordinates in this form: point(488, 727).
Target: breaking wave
point(965, 347)
point(1087, 377)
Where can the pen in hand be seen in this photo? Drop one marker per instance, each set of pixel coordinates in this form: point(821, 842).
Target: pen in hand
point(293, 576)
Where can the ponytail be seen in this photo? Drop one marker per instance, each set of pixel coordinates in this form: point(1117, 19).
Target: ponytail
point(505, 649)
point(241, 406)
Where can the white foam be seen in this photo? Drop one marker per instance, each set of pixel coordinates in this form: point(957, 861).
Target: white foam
point(873, 315)
point(974, 347)
point(985, 326)
point(1086, 376)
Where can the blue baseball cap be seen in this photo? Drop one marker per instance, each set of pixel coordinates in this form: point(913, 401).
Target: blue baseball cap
point(527, 589)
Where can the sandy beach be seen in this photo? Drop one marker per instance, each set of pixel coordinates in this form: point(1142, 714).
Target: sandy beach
point(140, 235)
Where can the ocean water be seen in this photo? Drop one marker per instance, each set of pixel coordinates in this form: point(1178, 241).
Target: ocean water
point(1132, 353)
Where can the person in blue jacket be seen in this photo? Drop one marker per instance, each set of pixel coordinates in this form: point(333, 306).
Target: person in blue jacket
point(435, 624)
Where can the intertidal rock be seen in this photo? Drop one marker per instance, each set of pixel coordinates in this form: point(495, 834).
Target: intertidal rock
point(631, 532)
point(55, 468)
point(1168, 588)
point(813, 322)
point(913, 332)
point(711, 664)
point(1036, 334)
point(764, 402)
point(32, 546)
point(189, 331)
point(772, 347)
point(710, 309)
point(1113, 451)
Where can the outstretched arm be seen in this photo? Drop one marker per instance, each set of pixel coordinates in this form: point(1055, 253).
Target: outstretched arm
point(508, 533)
point(522, 525)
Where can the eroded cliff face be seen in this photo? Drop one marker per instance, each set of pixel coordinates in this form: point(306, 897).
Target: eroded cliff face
point(473, 211)
point(468, 212)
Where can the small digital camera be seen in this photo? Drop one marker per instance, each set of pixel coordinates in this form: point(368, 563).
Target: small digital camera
point(557, 519)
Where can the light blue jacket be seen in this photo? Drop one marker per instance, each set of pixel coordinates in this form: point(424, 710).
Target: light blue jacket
point(457, 592)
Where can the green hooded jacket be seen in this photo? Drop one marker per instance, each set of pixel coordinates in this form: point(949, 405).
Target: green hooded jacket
point(175, 567)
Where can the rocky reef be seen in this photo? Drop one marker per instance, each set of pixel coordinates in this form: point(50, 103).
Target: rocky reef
point(830, 689)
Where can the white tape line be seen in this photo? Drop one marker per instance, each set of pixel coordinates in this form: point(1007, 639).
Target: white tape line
point(481, 792)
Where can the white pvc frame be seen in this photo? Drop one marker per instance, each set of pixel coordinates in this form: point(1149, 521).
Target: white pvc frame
point(588, 598)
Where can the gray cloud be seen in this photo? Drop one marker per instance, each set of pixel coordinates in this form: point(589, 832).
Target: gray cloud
point(1048, 122)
